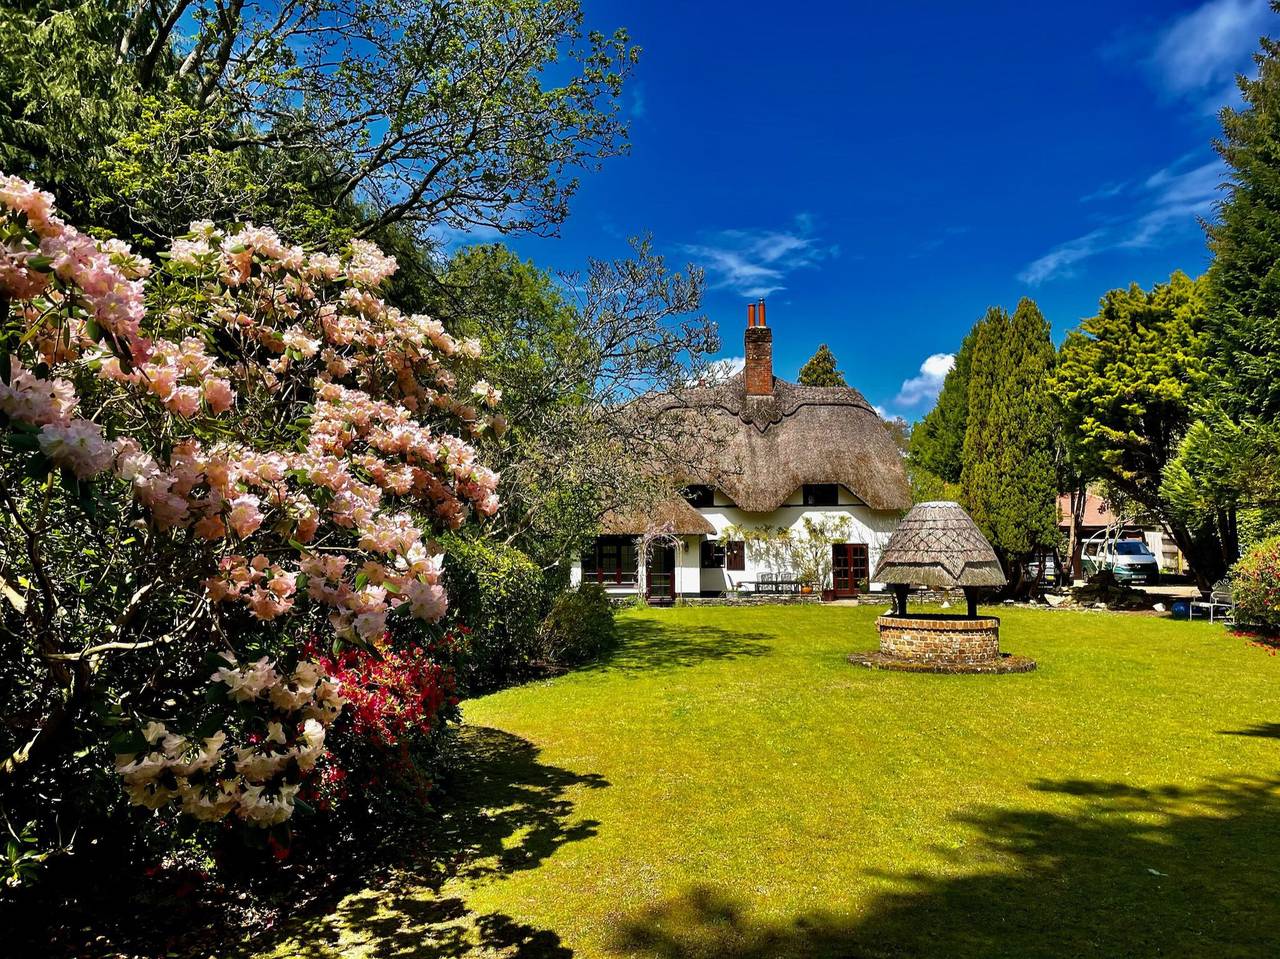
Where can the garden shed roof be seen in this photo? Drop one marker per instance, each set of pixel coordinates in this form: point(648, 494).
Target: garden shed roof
point(938, 544)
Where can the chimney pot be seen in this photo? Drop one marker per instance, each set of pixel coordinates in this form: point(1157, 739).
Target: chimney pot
point(758, 374)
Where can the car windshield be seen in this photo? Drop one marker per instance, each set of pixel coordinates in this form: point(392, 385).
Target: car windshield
point(1132, 547)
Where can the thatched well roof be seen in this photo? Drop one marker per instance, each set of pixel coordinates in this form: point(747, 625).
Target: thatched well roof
point(684, 520)
point(937, 544)
point(801, 434)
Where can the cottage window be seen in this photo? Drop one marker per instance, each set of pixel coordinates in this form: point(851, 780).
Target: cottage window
point(735, 555)
point(820, 494)
point(700, 497)
point(712, 554)
point(610, 561)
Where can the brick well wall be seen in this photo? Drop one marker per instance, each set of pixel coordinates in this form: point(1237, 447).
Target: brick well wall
point(958, 641)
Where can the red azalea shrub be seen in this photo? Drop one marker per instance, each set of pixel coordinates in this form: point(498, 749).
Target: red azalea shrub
point(1255, 586)
point(399, 701)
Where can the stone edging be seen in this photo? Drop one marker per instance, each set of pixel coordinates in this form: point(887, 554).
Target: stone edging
point(1006, 663)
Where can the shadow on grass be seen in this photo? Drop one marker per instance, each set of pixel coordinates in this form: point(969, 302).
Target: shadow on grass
point(505, 811)
point(1261, 730)
point(1126, 872)
point(645, 644)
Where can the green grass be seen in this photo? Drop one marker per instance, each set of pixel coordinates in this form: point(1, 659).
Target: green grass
point(727, 785)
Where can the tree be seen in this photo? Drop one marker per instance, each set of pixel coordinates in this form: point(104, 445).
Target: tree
point(1224, 475)
point(821, 370)
point(899, 430)
point(1126, 383)
point(311, 114)
point(937, 441)
point(1008, 478)
point(573, 376)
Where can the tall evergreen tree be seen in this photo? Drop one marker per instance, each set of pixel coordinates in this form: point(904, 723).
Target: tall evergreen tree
point(937, 441)
point(1226, 466)
point(1008, 478)
point(821, 370)
point(1243, 344)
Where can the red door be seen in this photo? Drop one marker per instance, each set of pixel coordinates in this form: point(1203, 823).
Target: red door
point(849, 567)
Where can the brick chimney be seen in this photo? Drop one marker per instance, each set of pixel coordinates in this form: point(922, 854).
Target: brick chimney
point(759, 351)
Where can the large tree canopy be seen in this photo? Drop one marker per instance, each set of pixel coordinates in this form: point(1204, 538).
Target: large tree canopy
point(420, 112)
point(1127, 382)
point(570, 372)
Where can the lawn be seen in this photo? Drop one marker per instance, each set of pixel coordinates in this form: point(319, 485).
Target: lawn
point(727, 785)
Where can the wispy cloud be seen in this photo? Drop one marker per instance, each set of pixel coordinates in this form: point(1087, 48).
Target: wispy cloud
point(639, 106)
point(450, 238)
point(934, 243)
point(757, 262)
point(925, 384)
point(1105, 192)
point(1203, 50)
point(1172, 200)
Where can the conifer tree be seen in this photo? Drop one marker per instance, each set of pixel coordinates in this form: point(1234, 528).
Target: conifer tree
point(821, 370)
point(937, 441)
point(1008, 474)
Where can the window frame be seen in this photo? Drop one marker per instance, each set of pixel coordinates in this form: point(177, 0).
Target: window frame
point(809, 495)
point(711, 555)
point(700, 495)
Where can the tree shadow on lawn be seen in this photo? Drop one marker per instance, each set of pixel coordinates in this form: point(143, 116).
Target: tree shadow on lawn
point(1261, 730)
point(504, 811)
point(1127, 872)
point(645, 644)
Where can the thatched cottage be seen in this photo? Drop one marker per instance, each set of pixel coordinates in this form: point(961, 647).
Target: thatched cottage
point(784, 453)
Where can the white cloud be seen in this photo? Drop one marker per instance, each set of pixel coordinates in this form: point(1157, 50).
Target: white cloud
point(722, 369)
point(1207, 47)
point(926, 384)
point(756, 263)
point(1172, 200)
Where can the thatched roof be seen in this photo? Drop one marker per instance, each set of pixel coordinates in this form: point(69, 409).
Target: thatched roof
point(937, 544)
point(684, 520)
point(800, 434)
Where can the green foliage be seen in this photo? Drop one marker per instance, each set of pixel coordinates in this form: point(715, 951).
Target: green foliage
point(580, 627)
point(1127, 383)
point(937, 441)
point(1126, 380)
point(569, 372)
point(1008, 475)
point(821, 370)
point(1243, 343)
point(1255, 585)
point(501, 597)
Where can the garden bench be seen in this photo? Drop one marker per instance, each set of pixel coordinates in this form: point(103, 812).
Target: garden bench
point(1220, 606)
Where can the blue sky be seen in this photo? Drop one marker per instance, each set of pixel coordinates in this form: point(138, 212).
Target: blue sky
point(882, 173)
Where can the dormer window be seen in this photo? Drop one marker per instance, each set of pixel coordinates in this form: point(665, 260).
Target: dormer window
point(700, 497)
point(820, 494)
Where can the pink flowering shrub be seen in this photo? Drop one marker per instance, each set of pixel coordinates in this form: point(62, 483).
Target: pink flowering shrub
point(278, 444)
point(1255, 586)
